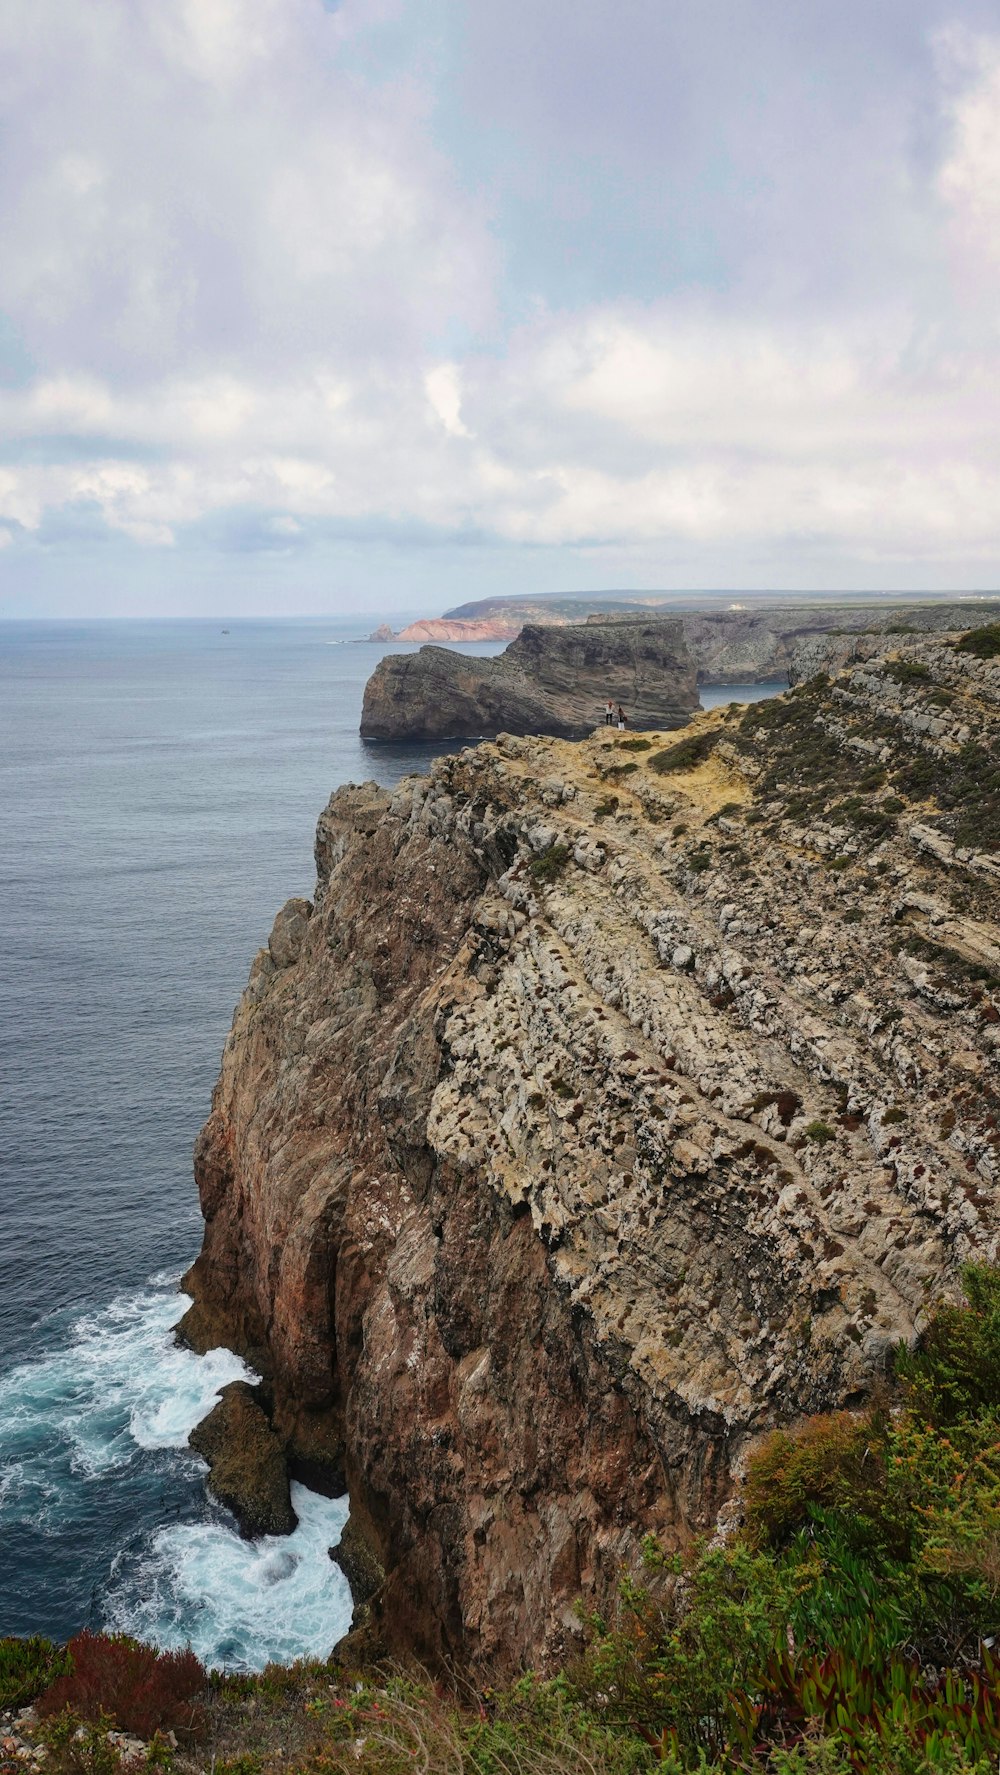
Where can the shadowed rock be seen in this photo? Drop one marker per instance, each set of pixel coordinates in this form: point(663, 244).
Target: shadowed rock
point(246, 1462)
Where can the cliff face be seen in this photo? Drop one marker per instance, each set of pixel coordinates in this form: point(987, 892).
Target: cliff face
point(761, 644)
point(601, 1112)
point(440, 628)
point(550, 680)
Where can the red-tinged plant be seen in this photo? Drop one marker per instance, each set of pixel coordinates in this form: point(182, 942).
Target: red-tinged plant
point(861, 1700)
point(143, 1690)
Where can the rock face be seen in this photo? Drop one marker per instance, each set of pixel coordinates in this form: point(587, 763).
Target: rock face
point(247, 1463)
point(550, 680)
point(614, 1102)
point(759, 644)
point(441, 628)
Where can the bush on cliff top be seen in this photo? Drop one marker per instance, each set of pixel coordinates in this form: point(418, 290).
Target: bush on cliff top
point(685, 755)
point(27, 1666)
point(550, 865)
point(983, 643)
point(143, 1690)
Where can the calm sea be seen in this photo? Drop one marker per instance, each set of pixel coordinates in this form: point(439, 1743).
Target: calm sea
point(159, 788)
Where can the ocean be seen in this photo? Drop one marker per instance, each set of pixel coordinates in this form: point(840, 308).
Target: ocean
point(159, 789)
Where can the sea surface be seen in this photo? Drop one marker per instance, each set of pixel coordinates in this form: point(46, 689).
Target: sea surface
point(159, 789)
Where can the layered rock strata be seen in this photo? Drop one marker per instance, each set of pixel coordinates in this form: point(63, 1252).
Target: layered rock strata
point(550, 680)
point(757, 644)
point(610, 1103)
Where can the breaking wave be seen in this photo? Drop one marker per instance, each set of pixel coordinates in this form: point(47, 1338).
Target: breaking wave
point(105, 1509)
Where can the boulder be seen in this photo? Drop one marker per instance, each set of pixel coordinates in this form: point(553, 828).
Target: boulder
point(246, 1461)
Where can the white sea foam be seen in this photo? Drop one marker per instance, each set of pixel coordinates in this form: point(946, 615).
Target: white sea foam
point(241, 1603)
point(118, 1381)
point(112, 1391)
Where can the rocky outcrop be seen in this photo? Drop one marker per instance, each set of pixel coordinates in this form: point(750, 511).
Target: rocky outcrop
point(441, 628)
point(246, 1460)
point(550, 680)
point(613, 1102)
point(756, 643)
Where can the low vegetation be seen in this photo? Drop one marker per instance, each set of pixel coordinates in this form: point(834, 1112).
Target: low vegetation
point(685, 755)
point(141, 1690)
point(550, 865)
point(813, 773)
point(846, 1629)
point(983, 643)
point(908, 671)
point(27, 1666)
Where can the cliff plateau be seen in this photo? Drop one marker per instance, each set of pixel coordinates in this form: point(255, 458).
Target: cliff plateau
point(550, 680)
point(609, 1103)
point(738, 644)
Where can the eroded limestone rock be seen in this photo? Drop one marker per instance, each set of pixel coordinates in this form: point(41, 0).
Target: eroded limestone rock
point(606, 1116)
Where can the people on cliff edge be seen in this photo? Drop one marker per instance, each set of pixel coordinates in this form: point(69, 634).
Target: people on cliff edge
point(622, 718)
point(609, 714)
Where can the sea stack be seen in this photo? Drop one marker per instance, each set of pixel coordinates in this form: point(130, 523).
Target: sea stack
point(550, 681)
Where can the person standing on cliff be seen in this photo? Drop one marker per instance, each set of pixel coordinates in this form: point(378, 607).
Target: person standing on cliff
point(609, 713)
point(621, 719)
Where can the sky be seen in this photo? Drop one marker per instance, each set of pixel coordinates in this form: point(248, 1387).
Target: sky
point(379, 306)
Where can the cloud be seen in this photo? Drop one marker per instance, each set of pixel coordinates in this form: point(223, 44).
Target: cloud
point(192, 181)
point(444, 391)
point(267, 267)
point(969, 180)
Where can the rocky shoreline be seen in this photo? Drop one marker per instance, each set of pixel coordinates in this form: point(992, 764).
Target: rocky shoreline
point(611, 1102)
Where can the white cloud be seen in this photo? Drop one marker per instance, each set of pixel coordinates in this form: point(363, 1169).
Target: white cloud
point(212, 180)
point(444, 391)
point(241, 266)
point(969, 181)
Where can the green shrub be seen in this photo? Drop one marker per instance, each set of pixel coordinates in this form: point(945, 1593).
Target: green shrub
point(908, 671)
point(75, 1746)
point(953, 1372)
point(27, 1666)
point(984, 643)
point(550, 865)
point(672, 1662)
point(820, 1132)
point(635, 745)
point(685, 755)
point(833, 1461)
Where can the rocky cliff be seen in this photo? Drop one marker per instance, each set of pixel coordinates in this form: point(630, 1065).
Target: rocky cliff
point(609, 1103)
point(550, 680)
point(759, 643)
point(442, 628)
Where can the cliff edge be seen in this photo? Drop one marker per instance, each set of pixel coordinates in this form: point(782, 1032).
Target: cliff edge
point(550, 680)
point(610, 1103)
